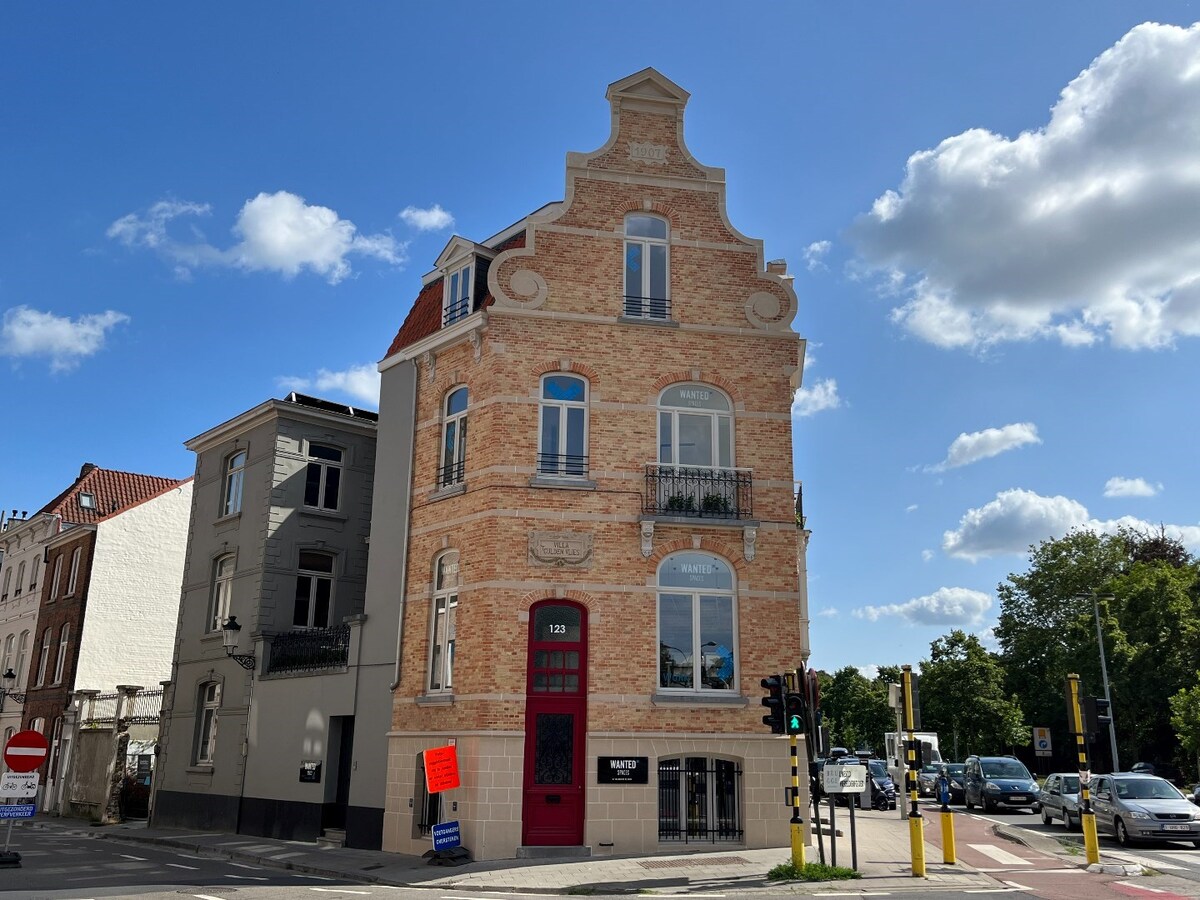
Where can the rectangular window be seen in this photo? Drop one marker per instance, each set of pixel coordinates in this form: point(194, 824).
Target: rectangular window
point(54, 582)
point(20, 580)
point(6, 659)
point(7, 579)
point(33, 574)
point(314, 590)
point(457, 298)
point(222, 593)
point(323, 477)
point(441, 668)
point(235, 473)
point(206, 722)
point(73, 578)
point(44, 659)
point(60, 666)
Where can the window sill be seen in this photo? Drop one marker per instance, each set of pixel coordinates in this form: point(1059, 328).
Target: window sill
point(323, 514)
point(228, 519)
point(450, 490)
point(647, 320)
point(442, 699)
point(699, 698)
point(702, 521)
point(566, 484)
point(200, 769)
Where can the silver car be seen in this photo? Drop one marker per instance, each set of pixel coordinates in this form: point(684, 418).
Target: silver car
point(1059, 799)
point(1143, 808)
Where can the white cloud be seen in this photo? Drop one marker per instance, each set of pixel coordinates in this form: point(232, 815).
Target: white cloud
point(1130, 487)
point(1017, 519)
point(432, 219)
point(359, 382)
point(945, 606)
point(821, 396)
point(926, 555)
point(987, 637)
point(969, 448)
point(912, 507)
point(30, 333)
point(278, 232)
point(828, 612)
point(815, 253)
point(1083, 229)
point(870, 672)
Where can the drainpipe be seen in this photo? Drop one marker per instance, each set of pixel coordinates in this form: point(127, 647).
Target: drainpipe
point(408, 455)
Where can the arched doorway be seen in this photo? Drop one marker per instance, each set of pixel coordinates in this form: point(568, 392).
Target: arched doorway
point(555, 725)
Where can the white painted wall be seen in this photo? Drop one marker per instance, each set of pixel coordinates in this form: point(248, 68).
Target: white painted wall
point(133, 594)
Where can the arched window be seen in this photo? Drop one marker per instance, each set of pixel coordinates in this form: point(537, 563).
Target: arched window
point(73, 577)
point(696, 630)
point(646, 273)
point(695, 427)
point(57, 579)
point(33, 572)
point(454, 438)
point(20, 586)
point(7, 581)
point(64, 642)
point(314, 590)
point(235, 473)
point(6, 658)
point(562, 427)
point(44, 659)
point(442, 626)
point(222, 592)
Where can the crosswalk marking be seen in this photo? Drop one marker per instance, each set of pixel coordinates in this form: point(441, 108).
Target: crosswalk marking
point(999, 855)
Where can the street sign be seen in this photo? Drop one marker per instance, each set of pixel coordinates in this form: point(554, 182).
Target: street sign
point(19, 784)
point(446, 836)
point(441, 769)
point(844, 779)
point(1041, 742)
point(19, 811)
point(26, 751)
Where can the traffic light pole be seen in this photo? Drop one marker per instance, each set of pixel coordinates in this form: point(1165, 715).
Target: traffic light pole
point(1087, 818)
point(916, 824)
point(797, 822)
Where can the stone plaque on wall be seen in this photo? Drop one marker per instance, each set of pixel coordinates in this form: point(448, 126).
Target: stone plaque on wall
point(560, 549)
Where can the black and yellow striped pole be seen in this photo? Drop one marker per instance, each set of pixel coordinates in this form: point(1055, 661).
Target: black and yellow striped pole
point(1087, 818)
point(916, 825)
point(797, 822)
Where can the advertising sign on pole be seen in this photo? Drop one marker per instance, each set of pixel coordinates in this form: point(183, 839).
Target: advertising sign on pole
point(1041, 742)
point(441, 769)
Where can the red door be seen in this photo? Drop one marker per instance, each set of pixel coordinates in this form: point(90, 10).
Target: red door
point(555, 718)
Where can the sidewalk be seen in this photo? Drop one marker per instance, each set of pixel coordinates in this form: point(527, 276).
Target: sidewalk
point(883, 857)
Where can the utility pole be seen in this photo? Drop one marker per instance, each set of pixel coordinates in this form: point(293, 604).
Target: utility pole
point(1112, 724)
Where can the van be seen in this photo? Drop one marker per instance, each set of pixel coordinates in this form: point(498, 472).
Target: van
point(993, 781)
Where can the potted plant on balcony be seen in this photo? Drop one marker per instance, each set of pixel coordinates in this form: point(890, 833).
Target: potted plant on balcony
point(715, 505)
point(681, 504)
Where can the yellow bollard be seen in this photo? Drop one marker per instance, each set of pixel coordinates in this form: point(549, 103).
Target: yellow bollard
point(948, 848)
point(797, 845)
point(1091, 844)
point(916, 837)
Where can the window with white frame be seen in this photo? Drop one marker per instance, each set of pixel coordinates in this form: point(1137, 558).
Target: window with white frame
point(57, 579)
point(454, 438)
point(235, 473)
point(20, 585)
point(73, 577)
point(695, 427)
point(323, 477)
point(562, 426)
point(314, 590)
point(442, 628)
point(206, 723)
point(33, 572)
point(39, 725)
point(64, 642)
point(44, 659)
point(6, 658)
point(222, 592)
point(22, 658)
point(646, 273)
point(456, 300)
point(696, 632)
point(7, 582)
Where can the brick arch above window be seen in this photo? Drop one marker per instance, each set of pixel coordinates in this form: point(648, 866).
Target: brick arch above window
point(698, 376)
point(729, 552)
point(656, 208)
point(555, 367)
point(581, 597)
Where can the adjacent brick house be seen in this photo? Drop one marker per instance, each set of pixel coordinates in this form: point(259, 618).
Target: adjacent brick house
point(595, 574)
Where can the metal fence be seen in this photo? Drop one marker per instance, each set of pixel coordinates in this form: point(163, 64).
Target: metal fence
point(145, 709)
point(698, 492)
point(310, 650)
point(699, 800)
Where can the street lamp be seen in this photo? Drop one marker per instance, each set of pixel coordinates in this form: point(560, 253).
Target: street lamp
point(1112, 722)
point(10, 681)
point(229, 638)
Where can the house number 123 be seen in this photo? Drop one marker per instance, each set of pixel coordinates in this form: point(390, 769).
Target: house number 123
point(558, 629)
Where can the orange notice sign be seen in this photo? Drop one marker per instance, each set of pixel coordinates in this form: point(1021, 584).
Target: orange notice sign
point(441, 769)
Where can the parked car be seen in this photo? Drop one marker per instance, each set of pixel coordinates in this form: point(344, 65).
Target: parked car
point(1059, 799)
point(991, 781)
point(1134, 807)
point(1162, 770)
point(927, 779)
point(883, 789)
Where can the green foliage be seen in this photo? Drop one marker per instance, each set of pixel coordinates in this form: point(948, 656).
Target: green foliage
point(963, 699)
point(789, 871)
point(855, 709)
point(1185, 717)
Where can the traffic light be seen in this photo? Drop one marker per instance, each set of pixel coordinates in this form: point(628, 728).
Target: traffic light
point(1073, 725)
point(795, 712)
point(1095, 715)
point(774, 702)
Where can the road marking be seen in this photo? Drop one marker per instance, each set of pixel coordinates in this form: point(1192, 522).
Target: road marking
point(245, 866)
point(313, 877)
point(127, 856)
point(248, 877)
point(182, 866)
point(339, 891)
point(209, 897)
point(1138, 888)
point(1017, 887)
point(1151, 861)
point(1001, 856)
point(1003, 890)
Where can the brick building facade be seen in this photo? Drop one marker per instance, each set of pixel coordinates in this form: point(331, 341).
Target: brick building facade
point(603, 555)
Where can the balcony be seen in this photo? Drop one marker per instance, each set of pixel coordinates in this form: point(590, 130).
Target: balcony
point(562, 465)
point(656, 308)
point(698, 492)
point(311, 650)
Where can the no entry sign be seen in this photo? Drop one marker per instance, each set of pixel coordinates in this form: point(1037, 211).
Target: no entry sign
point(25, 751)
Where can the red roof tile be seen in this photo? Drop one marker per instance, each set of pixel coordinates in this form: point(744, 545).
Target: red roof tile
point(112, 492)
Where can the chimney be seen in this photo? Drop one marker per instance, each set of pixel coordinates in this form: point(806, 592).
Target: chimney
point(777, 267)
point(85, 468)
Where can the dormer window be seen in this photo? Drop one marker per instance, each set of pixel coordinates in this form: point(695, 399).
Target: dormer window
point(87, 501)
point(457, 299)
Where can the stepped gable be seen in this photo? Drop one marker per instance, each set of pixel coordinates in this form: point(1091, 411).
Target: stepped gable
point(113, 492)
point(425, 317)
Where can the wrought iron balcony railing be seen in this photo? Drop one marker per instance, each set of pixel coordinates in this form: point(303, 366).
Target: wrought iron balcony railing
point(698, 492)
point(309, 650)
point(647, 307)
point(456, 311)
point(451, 474)
point(562, 465)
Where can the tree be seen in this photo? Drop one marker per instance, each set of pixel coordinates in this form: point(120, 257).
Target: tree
point(963, 698)
point(855, 709)
point(1185, 718)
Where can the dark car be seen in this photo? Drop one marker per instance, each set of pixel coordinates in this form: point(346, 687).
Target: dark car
point(955, 773)
point(927, 778)
point(992, 781)
point(1162, 770)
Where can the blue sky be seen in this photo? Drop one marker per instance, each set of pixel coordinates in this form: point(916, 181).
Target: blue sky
point(992, 212)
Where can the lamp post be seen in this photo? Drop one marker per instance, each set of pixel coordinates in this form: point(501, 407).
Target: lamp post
point(1112, 722)
point(10, 681)
point(229, 638)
